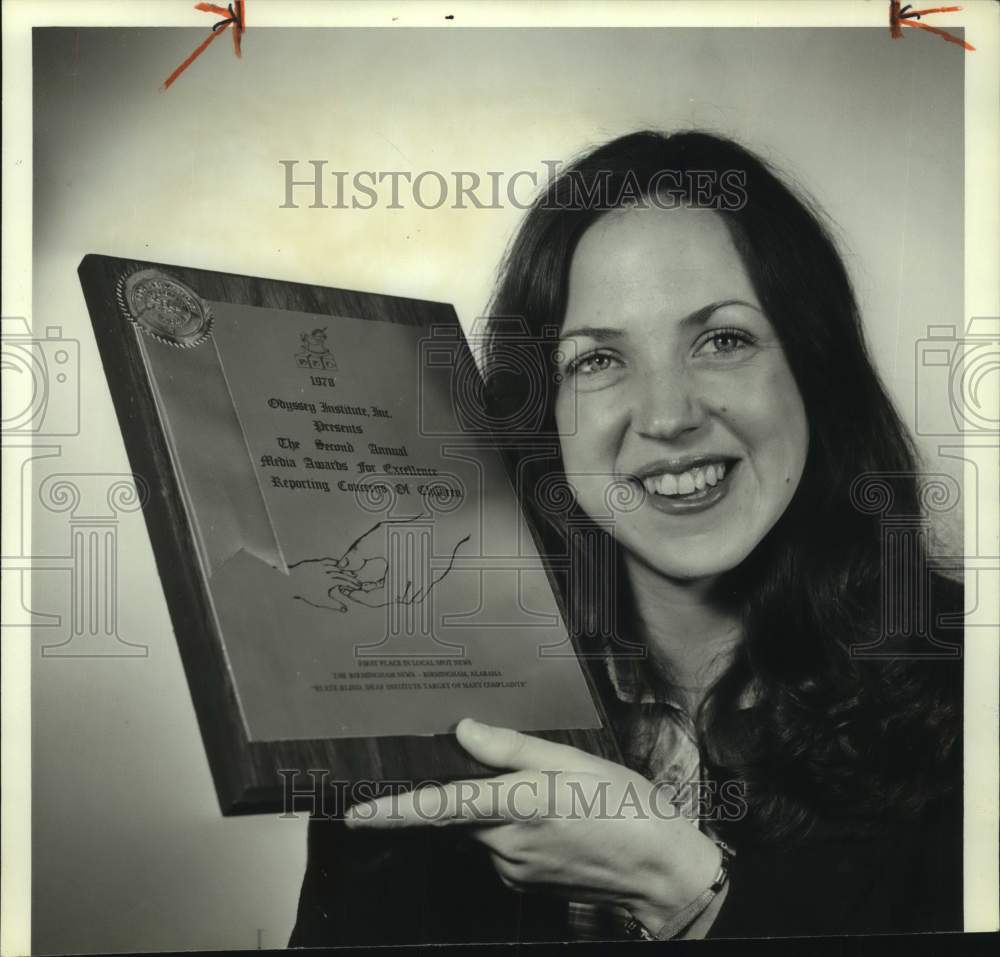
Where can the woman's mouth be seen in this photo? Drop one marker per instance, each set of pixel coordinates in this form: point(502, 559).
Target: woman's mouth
point(694, 489)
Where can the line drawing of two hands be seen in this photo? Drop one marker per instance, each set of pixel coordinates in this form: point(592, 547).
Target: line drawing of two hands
point(359, 575)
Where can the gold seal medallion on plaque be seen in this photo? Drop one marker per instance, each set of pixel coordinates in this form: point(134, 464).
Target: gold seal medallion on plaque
point(164, 308)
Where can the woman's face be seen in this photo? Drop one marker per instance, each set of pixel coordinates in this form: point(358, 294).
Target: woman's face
point(675, 382)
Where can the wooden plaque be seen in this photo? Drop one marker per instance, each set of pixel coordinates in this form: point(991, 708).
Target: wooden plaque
point(171, 337)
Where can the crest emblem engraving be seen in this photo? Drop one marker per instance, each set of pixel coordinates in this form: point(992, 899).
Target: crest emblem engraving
point(314, 353)
point(164, 308)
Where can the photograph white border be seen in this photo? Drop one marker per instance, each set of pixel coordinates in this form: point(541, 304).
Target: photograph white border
point(981, 23)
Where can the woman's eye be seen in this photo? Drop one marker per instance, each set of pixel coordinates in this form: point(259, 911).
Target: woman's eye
point(724, 342)
point(589, 364)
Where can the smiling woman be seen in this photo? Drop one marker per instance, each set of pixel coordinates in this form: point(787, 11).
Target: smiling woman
point(715, 407)
point(679, 381)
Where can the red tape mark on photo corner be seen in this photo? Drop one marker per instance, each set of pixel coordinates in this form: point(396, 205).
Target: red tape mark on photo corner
point(905, 17)
point(235, 17)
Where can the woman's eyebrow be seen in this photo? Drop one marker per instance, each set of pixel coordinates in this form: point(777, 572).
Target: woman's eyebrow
point(696, 318)
point(600, 333)
point(703, 314)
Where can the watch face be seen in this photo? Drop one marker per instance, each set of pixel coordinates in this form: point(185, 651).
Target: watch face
point(637, 931)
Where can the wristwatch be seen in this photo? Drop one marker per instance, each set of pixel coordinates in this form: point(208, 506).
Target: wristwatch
point(687, 915)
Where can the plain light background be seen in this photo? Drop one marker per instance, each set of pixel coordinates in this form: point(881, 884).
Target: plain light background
point(130, 852)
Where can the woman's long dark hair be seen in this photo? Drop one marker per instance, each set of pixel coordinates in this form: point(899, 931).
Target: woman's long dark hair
point(834, 735)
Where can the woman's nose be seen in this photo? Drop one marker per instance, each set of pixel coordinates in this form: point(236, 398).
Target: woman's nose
point(667, 405)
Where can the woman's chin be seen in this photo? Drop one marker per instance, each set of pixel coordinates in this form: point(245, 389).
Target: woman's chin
point(694, 564)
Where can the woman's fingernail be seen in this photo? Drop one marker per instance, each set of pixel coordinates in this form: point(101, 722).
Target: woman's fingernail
point(473, 730)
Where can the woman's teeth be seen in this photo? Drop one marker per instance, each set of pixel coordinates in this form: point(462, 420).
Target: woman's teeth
point(693, 480)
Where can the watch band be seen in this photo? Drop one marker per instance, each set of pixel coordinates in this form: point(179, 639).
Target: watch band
point(688, 914)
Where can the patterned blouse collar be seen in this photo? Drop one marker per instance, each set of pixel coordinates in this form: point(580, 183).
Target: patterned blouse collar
point(624, 685)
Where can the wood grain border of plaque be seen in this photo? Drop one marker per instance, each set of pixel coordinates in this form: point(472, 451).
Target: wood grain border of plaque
point(247, 774)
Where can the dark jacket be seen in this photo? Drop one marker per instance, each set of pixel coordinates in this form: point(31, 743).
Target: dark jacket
point(430, 885)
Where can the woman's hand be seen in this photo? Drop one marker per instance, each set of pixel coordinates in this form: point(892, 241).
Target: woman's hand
point(565, 822)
